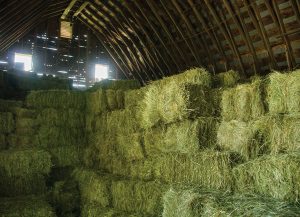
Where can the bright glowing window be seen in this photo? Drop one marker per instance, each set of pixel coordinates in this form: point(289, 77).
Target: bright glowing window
point(26, 59)
point(101, 72)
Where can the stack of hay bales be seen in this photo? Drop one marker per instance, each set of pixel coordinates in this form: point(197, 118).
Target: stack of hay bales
point(276, 174)
point(61, 131)
point(241, 127)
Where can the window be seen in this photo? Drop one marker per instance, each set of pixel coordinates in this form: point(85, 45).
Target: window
point(101, 72)
point(26, 59)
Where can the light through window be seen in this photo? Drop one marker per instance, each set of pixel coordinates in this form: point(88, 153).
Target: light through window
point(26, 59)
point(101, 72)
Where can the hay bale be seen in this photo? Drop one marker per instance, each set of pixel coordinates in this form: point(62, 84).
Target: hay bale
point(193, 202)
point(199, 76)
point(130, 146)
point(9, 105)
point(70, 118)
point(7, 123)
point(65, 198)
point(24, 112)
point(96, 102)
point(24, 162)
point(226, 79)
point(23, 139)
point(283, 92)
point(25, 207)
point(3, 143)
point(137, 196)
point(115, 99)
point(122, 122)
point(183, 137)
point(171, 102)
point(94, 188)
point(22, 123)
point(133, 98)
point(142, 169)
point(208, 169)
point(90, 120)
point(21, 186)
point(116, 85)
point(55, 136)
point(59, 99)
point(282, 132)
point(277, 176)
point(65, 156)
point(246, 138)
point(243, 102)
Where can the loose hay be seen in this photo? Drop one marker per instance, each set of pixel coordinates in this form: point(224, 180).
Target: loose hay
point(182, 137)
point(208, 169)
point(277, 176)
point(7, 123)
point(94, 188)
point(227, 79)
point(25, 207)
point(244, 102)
point(246, 138)
point(137, 196)
point(65, 156)
point(193, 202)
point(24, 162)
point(69, 118)
point(59, 99)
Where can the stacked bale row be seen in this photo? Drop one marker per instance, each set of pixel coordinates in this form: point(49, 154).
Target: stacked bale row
point(260, 123)
point(24, 167)
point(61, 120)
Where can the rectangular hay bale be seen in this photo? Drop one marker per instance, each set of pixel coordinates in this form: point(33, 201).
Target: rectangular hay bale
point(137, 196)
point(7, 123)
point(188, 136)
point(24, 162)
point(209, 169)
point(276, 176)
point(283, 92)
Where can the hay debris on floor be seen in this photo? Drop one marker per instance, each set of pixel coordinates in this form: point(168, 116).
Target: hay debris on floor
point(209, 169)
point(25, 162)
point(183, 137)
point(226, 79)
point(25, 207)
point(59, 99)
point(277, 176)
point(94, 188)
point(194, 202)
point(137, 196)
point(245, 138)
point(7, 123)
point(243, 102)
